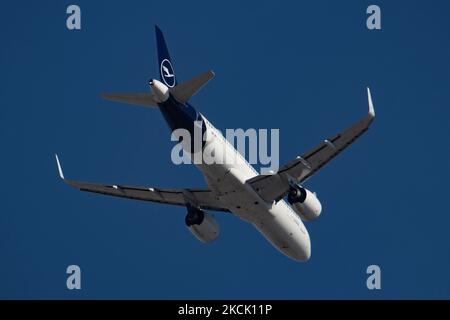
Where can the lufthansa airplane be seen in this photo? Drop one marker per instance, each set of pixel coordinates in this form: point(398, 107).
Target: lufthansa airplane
point(232, 187)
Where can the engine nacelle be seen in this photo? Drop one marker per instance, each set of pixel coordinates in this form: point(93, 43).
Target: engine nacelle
point(204, 227)
point(304, 203)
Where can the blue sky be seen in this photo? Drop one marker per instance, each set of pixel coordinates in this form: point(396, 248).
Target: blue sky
point(301, 67)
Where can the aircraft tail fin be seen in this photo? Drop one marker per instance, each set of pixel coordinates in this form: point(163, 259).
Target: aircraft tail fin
point(166, 71)
point(184, 91)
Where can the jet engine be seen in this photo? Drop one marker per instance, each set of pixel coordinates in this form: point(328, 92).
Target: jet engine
point(304, 203)
point(204, 227)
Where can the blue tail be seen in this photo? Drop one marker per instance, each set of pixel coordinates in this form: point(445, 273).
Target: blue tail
point(166, 72)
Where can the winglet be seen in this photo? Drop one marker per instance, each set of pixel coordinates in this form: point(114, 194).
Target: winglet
point(61, 174)
point(371, 108)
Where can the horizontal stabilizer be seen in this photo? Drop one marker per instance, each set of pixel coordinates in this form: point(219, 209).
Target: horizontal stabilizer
point(140, 99)
point(186, 90)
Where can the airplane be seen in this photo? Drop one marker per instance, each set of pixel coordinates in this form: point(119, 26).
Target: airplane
point(276, 204)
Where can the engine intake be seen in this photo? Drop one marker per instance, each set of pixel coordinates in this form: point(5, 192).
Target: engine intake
point(304, 203)
point(204, 227)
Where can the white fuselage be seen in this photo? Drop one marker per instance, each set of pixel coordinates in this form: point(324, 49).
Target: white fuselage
point(276, 220)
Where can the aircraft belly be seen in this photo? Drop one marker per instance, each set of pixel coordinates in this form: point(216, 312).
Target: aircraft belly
point(285, 232)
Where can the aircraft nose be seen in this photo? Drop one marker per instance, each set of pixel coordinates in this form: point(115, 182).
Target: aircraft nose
point(304, 254)
point(307, 252)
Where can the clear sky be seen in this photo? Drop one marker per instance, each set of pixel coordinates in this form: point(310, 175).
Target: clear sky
point(301, 67)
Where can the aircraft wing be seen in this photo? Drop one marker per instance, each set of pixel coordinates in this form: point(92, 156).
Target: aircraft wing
point(203, 198)
point(276, 186)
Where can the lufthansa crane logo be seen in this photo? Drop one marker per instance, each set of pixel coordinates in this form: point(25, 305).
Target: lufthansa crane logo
point(167, 73)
